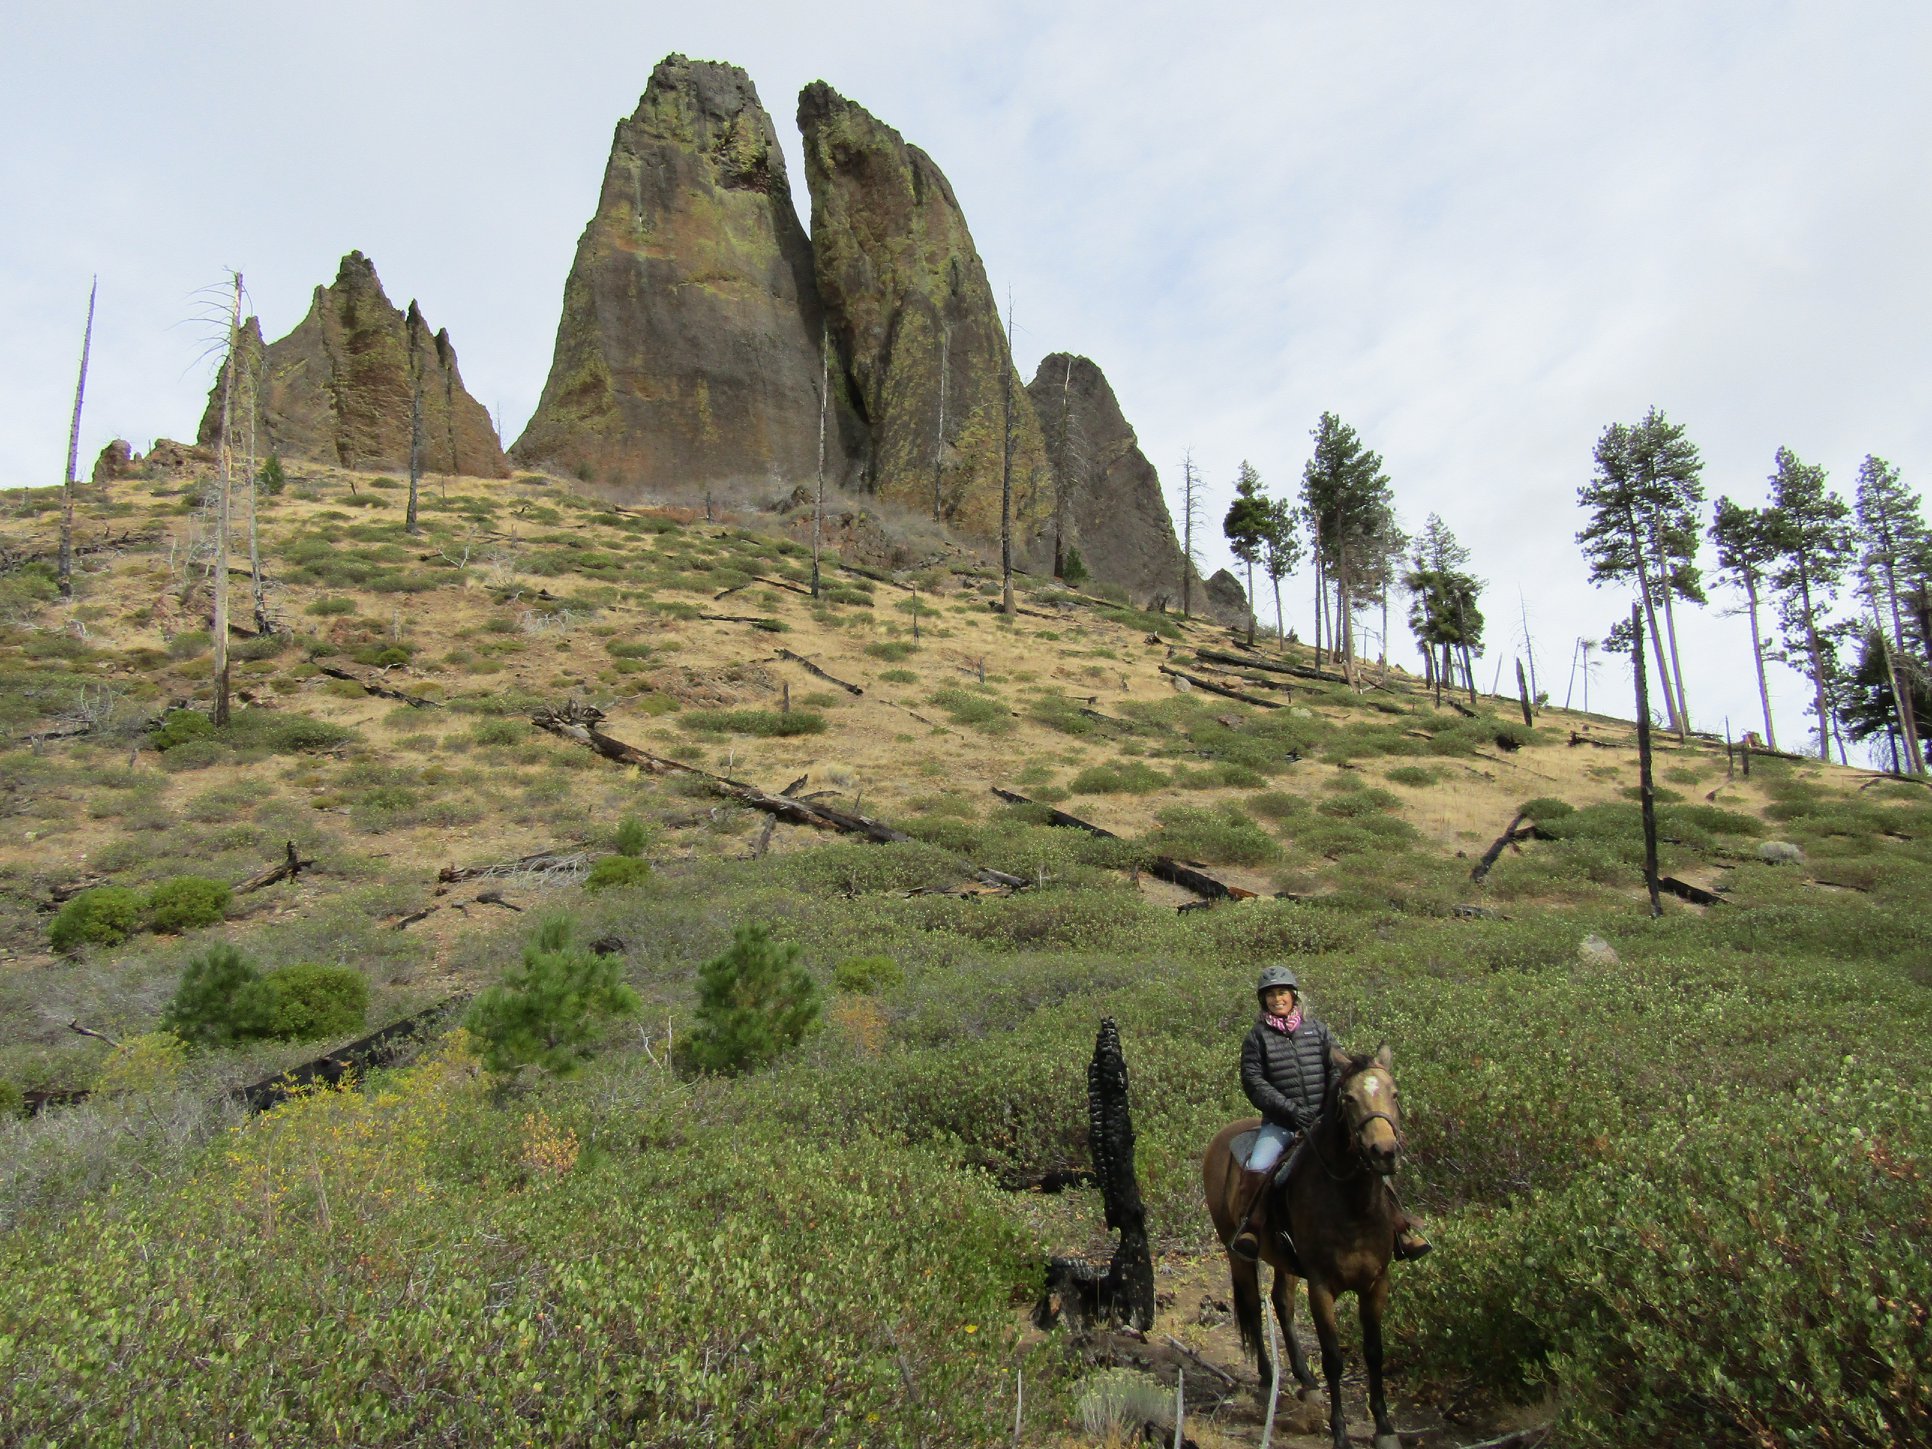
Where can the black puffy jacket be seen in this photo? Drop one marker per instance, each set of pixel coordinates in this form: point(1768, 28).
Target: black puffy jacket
point(1285, 1074)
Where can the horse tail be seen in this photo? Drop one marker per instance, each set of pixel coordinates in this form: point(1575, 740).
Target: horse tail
point(1247, 1313)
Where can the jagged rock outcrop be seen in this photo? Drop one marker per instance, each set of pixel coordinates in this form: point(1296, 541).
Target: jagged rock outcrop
point(1110, 506)
point(688, 353)
point(914, 317)
point(339, 389)
point(117, 461)
point(1227, 601)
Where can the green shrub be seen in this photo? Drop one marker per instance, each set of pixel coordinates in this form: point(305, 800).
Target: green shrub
point(500, 732)
point(331, 606)
point(898, 676)
point(1277, 804)
point(548, 1011)
point(190, 645)
point(755, 1003)
point(890, 650)
point(1544, 809)
point(766, 723)
point(272, 478)
point(308, 1001)
point(634, 837)
point(1125, 777)
point(1415, 777)
point(186, 902)
point(862, 975)
point(178, 726)
point(617, 870)
point(13, 1101)
point(219, 1002)
point(1221, 835)
point(975, 710)
point(1073, 568)
point(104, 916)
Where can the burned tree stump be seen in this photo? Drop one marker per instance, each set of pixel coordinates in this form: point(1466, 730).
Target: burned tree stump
point(1124, 1292)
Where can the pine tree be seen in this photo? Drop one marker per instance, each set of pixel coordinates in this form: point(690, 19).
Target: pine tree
point(1811, 528)
point(548, 1011)
point(1644, 500)
point(1347, 496)
point(755, 1002)
point(1443, 611)
point(1246, 528)
point(1280, 552)
point(1894, 533)
point(1746, 547)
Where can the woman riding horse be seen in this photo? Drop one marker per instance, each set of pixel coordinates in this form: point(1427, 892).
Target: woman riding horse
point(1286, 1066)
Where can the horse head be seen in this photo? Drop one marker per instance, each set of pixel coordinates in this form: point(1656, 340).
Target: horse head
point(1369, 1107)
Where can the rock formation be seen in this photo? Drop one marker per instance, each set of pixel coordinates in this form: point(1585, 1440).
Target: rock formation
point(1110, 506)
point(1227, 601)
point(688, 354)
point(914, 317)
point(339, 389)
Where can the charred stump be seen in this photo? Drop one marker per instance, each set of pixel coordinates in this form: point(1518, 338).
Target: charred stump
point(1124, 1291)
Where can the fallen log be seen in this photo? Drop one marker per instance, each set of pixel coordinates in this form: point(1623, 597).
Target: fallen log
point(379, 1048)
point(1162, 867)
point(1299, 671)
point(1212, 688)
point(769, 582)
point(1510, 836)
point(414, 701)
point(564, 857)
point(579, 722)
point(286, 869)
point(1684, 890)
point(1896, 780)
point(814, 670)
point(1106, 719)
point(1582, 739)
point(61, 894)
point(770, 626)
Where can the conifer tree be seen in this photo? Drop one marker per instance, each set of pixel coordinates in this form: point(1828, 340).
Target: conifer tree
point(1811, 527)
point(1346, 494)
point(1246, 528)
point(1894, 535)
point(1746, 547)
point(1280, 552)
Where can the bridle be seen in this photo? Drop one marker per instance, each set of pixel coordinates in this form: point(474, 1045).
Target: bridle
point(1356, 1158)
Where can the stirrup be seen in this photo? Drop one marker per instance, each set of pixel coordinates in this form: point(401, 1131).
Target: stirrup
point(1246, 1245)
point(1412, 1245)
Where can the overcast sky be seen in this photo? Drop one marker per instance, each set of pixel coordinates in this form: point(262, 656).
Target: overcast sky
point(1479, 233)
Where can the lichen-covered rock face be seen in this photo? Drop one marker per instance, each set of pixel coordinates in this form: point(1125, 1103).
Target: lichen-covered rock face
point(914, 316)
point(1111, 508)
point(688, 354)
point(340, 388)
point(1227, 601)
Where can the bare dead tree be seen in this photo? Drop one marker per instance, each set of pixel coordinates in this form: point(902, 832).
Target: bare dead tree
point(415, 415)
point(1190, 515)
point(939, 431)
point(225, 472)
point(66, 574)
point(1006, 467)
point(824, 395)
point(252, 380)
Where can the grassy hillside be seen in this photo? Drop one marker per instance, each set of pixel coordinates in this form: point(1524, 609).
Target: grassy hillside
point(1721, 1111)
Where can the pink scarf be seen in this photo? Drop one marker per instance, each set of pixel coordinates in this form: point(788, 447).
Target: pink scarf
point(1284, 1024)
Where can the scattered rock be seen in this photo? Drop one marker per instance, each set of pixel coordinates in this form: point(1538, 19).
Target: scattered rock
point(1780, 852)
point(1595, 951)
point(688, 352)
point(915, 319)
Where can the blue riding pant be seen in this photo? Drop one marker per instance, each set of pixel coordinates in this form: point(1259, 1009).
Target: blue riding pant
point(1270, 1142)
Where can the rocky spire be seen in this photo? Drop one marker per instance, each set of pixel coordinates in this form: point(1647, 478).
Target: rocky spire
point(338, 388)
point(687, 357)
point(914, 316)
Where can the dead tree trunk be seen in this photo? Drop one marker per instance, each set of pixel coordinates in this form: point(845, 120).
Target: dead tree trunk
point(66, 572)
point(1124, 1292)
point(226, 455)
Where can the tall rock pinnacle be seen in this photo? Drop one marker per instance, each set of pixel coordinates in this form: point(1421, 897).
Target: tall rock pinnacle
point(1111, 507)
point(341, 387)
point(688, 354)
point(914, 316)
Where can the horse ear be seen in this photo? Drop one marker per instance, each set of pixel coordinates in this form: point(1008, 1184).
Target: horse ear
point(1384, 1058)
point(1340, 1060)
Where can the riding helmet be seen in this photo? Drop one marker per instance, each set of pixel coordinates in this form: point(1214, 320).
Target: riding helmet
point(1277, 976)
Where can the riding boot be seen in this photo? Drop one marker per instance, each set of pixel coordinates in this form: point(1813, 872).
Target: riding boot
point(1252, 1195)
point(1409, 1242)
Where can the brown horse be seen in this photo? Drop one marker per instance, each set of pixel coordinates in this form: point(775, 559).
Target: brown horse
point(1341, 1218)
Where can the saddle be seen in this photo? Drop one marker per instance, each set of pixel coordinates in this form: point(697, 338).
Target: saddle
point(1272, 1220)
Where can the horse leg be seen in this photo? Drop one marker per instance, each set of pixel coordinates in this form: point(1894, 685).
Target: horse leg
point(1372, 1303)
point(1321, 1308)
point(1247, 1314)
point(1284, 1300)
